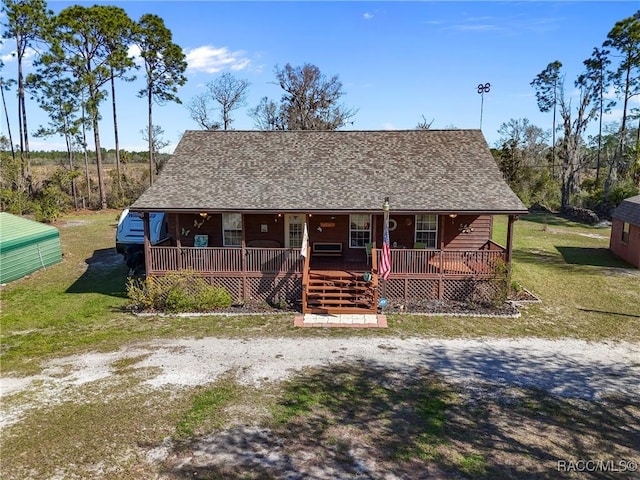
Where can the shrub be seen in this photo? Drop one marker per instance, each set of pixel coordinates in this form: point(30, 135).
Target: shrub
point(16, 202)
point(581, 214)
point(515, 286)
point(177, 292)
point(501, 283)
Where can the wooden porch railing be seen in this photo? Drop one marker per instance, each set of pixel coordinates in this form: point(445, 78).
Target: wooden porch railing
point(429, 263)
point(225, 259)
point(404, 262)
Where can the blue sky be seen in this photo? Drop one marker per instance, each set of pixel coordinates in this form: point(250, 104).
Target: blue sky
point(397, 61)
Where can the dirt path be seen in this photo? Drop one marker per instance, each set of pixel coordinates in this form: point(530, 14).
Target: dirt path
point(566, 368)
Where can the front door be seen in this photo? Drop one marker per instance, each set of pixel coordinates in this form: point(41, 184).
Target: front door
point(293, 226)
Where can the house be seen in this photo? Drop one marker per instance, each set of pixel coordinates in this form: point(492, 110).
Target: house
point(26, 246)
point(625, 231)
point(237, 203)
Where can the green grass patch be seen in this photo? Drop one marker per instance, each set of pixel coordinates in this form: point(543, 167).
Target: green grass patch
point(102, 433)
point(473, 465)
point(207, 409)
point(412, 410)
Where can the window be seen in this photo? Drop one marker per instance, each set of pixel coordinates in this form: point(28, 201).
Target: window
point(427, 230)
point(359, 230)
point(625, 232)
point(232, 229)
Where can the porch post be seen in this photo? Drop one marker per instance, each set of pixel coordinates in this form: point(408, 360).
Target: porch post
point(147, 243)
point(177, 232)
point(374, 229)
point(243, 261)
point(509, 252)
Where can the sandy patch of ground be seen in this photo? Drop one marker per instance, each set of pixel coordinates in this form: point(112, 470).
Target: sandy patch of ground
point(567, 368)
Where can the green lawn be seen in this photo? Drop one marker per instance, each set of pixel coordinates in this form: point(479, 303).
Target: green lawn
point(79, 304)
point(586, 291)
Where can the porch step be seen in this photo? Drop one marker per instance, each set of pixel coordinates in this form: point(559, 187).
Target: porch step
point(336, 281)
point(329, 286)
point(340, 311)
point(339, 292)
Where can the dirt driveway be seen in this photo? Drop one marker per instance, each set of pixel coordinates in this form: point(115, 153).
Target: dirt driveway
point(568, 369)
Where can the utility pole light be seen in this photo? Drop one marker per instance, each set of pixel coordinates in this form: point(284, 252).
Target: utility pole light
point(482, 89)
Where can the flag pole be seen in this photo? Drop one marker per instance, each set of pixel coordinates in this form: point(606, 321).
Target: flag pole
point(385, 210)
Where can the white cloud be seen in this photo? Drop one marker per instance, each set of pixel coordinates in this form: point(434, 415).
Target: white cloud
point(614, 115)
point(212, 59)
point(12, 56)
point(9, 57)
point(134, 52)
point(388, 126)
point(477, 28)
point(367, 15)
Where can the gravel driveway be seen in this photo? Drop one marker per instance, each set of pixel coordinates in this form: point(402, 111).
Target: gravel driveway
point(566, 368)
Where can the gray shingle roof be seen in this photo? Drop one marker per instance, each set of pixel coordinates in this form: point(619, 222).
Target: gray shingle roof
point(420, 170)
point(629, 210)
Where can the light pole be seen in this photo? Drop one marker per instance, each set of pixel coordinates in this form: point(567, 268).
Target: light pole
point(482, 89)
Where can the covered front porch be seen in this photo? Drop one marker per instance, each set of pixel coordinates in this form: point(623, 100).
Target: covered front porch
point(320, 284)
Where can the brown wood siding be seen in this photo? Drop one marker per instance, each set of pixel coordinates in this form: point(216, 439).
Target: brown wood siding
point(629, 251)
point(403, 235)
point(453, 238)
point(275, 228)
point(187, 228)
point(335, 229)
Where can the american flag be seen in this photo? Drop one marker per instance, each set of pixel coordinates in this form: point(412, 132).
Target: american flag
point(385, 258)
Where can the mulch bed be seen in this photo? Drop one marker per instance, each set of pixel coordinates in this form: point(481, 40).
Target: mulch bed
point(429, 307)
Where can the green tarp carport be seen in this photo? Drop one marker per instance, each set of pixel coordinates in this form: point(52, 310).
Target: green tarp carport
point(26, 246)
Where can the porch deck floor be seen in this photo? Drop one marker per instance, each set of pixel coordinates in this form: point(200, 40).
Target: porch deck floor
point(341, 321)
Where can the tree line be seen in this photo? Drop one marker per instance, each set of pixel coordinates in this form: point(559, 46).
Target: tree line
point(598, 171)
point(79, 54)
point(83, 52)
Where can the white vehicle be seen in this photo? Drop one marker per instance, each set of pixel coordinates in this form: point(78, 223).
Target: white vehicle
point(130, 232)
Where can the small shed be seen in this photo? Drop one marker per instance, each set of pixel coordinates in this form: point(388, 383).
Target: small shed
point(625, 231)
point(26, 246)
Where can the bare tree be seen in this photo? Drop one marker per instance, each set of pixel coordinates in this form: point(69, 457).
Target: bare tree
point(571, 146)
point(157, 143)
point(228, 92)
point(424, 124)
point(310, 100)
point(200, 110)
point(266, 115)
